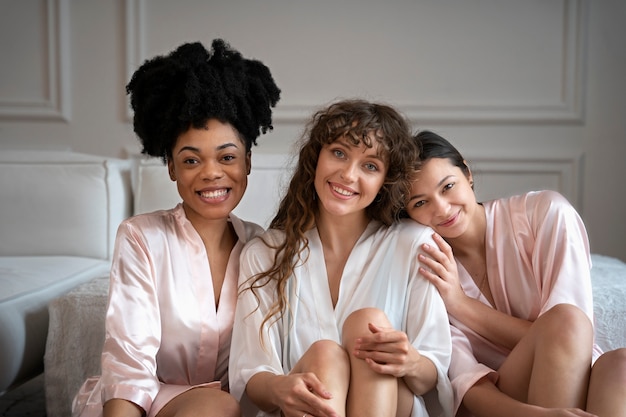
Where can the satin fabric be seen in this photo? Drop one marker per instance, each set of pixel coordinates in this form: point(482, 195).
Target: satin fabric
point(381, 271)
point(164, 334)
point(537, 257)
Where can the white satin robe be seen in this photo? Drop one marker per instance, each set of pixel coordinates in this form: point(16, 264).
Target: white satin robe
point(164, 334)
point(381, 271)
point(537, 257)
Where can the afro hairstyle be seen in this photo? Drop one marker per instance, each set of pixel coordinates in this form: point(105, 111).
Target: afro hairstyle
point(172, 93)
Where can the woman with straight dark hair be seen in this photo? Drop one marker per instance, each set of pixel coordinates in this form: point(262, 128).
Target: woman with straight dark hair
point(515, 277)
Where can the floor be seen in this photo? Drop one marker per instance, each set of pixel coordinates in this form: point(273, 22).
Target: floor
point(27, 400)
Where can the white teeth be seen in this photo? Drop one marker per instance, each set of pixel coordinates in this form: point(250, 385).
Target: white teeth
point(342, 191)
point(214, 194)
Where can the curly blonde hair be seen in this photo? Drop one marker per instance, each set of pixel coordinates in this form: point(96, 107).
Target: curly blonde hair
point(358, 121)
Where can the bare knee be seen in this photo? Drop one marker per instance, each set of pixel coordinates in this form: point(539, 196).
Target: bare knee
point(320, 355)
point(328, 360)
point(203, 401)
point(611, 366)
point(567, 322)
point(327, 350)
point(357, 321)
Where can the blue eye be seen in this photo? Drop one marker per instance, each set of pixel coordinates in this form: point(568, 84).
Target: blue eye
point(371, 167)
point(338, 153)
point(419, 203)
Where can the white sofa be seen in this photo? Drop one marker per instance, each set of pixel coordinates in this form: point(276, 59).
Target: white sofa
point(77, 318)
point(58, 216)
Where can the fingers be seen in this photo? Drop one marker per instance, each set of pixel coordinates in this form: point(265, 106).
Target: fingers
point(438, 264)
point(315, 386)
point(309, 396)
point(383, 345)
point(442, 244)
point(385, 352)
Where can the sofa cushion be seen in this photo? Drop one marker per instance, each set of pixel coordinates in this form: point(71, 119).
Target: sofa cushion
point(152, 187)
point(154, 190)
point(27, 285)
point(61, 203)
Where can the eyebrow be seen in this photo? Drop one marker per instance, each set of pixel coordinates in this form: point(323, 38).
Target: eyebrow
point(347, 144)
point(197, 150)
point(444, 179)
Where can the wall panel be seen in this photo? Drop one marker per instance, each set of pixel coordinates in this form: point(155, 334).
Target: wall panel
point(35, 71)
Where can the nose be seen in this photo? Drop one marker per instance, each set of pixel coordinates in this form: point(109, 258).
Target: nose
point(212, 170)
point(349, 172)
point(441, 207)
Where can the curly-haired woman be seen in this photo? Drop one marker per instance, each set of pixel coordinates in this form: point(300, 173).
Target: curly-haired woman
point(174, 273)
point(333, 318)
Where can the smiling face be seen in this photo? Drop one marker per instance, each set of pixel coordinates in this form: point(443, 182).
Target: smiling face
point(442, 198)
point(210, 166)
point(348, 177)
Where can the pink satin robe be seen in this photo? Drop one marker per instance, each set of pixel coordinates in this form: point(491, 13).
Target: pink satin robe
point(537, 257)
point(164, 334)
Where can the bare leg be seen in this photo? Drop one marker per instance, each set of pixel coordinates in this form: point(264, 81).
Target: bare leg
point(371, 393)
point(550, 366)
point(405, 399)
point(330, 363)
point(607, 386)
point(206, 402)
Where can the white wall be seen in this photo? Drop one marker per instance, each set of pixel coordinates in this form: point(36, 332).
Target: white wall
point(532, 92)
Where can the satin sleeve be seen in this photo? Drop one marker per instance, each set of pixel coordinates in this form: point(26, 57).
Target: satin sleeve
point(133, 324)
point(560, 255)
point(427, 325)
point(249, 353)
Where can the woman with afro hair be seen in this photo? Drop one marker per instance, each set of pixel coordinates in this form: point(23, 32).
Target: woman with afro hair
point(173, 281)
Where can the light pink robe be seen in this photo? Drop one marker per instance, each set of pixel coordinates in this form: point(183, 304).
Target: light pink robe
point(537, 257)
point(163, 332)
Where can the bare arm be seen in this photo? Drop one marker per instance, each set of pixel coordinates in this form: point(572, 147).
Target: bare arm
point(116, 407)
point(440, 269)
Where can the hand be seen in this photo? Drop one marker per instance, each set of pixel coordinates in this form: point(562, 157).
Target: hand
point(303, 393)
point(439, 267)
point(386, 351)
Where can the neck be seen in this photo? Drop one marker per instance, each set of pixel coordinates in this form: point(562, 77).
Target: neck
point(215, 233)
point(340, 234)
point(472, 241)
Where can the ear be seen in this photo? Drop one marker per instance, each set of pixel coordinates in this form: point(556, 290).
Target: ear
point(171, 170)
point(248, 162)
point(469, 175)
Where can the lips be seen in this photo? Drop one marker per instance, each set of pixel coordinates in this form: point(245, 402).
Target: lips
point(450, 221)
point(342, 191)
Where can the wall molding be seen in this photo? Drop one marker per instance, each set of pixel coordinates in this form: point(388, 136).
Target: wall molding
point(567, 108)
point(55, 100)
point(135, 18)
point(567, 171)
